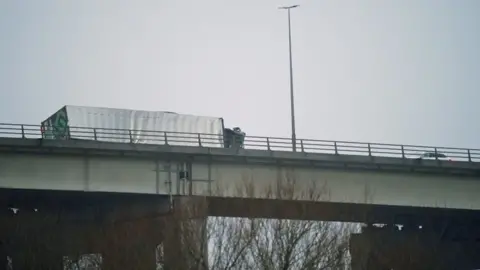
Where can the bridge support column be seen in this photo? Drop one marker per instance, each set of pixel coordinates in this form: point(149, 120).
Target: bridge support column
point(131, 244)
point(185, 241)
point(31, 242)
point(128, 256)
point(37, 260)
point(3, 256)
point(378, 248)
point(363, 254)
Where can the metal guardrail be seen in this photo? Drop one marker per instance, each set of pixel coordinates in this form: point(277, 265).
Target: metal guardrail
point(250, 142)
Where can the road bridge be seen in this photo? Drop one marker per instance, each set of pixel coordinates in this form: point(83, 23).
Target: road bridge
point(325, 180)
point(100, 166)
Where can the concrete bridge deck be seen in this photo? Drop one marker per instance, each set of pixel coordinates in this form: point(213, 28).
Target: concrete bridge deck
point(93, 166)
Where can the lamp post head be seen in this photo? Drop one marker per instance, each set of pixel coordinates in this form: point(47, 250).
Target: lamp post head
point(289, 7)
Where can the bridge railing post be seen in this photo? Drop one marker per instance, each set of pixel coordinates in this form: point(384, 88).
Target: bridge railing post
point(403, 151)
point(165, 137)
point(268, 143)
point(23, 132)
point(199, 140)
point(68, 133)
point(336, 147)
point(94, 134)
point(436, 153)
point(369, 149)
point(130, 135)
point(469, 155)
point(301, 145)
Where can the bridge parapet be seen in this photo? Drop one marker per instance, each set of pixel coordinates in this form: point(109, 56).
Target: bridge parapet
point(277, 144)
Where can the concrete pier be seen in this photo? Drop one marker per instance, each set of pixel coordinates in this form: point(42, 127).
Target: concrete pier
point(390, 248)
point(125, 232)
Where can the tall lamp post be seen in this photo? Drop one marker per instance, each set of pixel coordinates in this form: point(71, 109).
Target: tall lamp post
point(292, 103)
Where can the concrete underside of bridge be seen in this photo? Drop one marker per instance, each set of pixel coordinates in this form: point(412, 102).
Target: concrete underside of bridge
point(114, 224)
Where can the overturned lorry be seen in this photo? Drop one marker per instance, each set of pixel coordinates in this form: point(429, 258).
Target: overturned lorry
point(136, 126)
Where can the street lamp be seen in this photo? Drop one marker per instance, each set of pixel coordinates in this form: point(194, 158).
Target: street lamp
point(292, 106)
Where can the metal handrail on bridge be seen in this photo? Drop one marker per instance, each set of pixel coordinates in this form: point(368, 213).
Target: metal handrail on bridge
point(250, 142)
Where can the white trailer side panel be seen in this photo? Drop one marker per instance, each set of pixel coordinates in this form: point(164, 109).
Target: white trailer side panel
point(122, 125)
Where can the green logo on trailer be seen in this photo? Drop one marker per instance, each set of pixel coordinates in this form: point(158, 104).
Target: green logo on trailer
point(56, 127)
point(60, 124)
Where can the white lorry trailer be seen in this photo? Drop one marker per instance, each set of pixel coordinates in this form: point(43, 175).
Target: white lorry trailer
point(134, 126)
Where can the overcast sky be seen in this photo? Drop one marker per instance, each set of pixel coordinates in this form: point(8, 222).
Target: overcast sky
point(404, 71)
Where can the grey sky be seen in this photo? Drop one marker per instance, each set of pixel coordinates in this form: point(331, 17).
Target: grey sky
point(381, 71)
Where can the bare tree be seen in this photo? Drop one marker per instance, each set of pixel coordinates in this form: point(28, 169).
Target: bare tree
point(269, 244)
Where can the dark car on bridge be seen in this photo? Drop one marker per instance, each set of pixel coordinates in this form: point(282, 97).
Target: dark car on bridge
point(434, 156)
